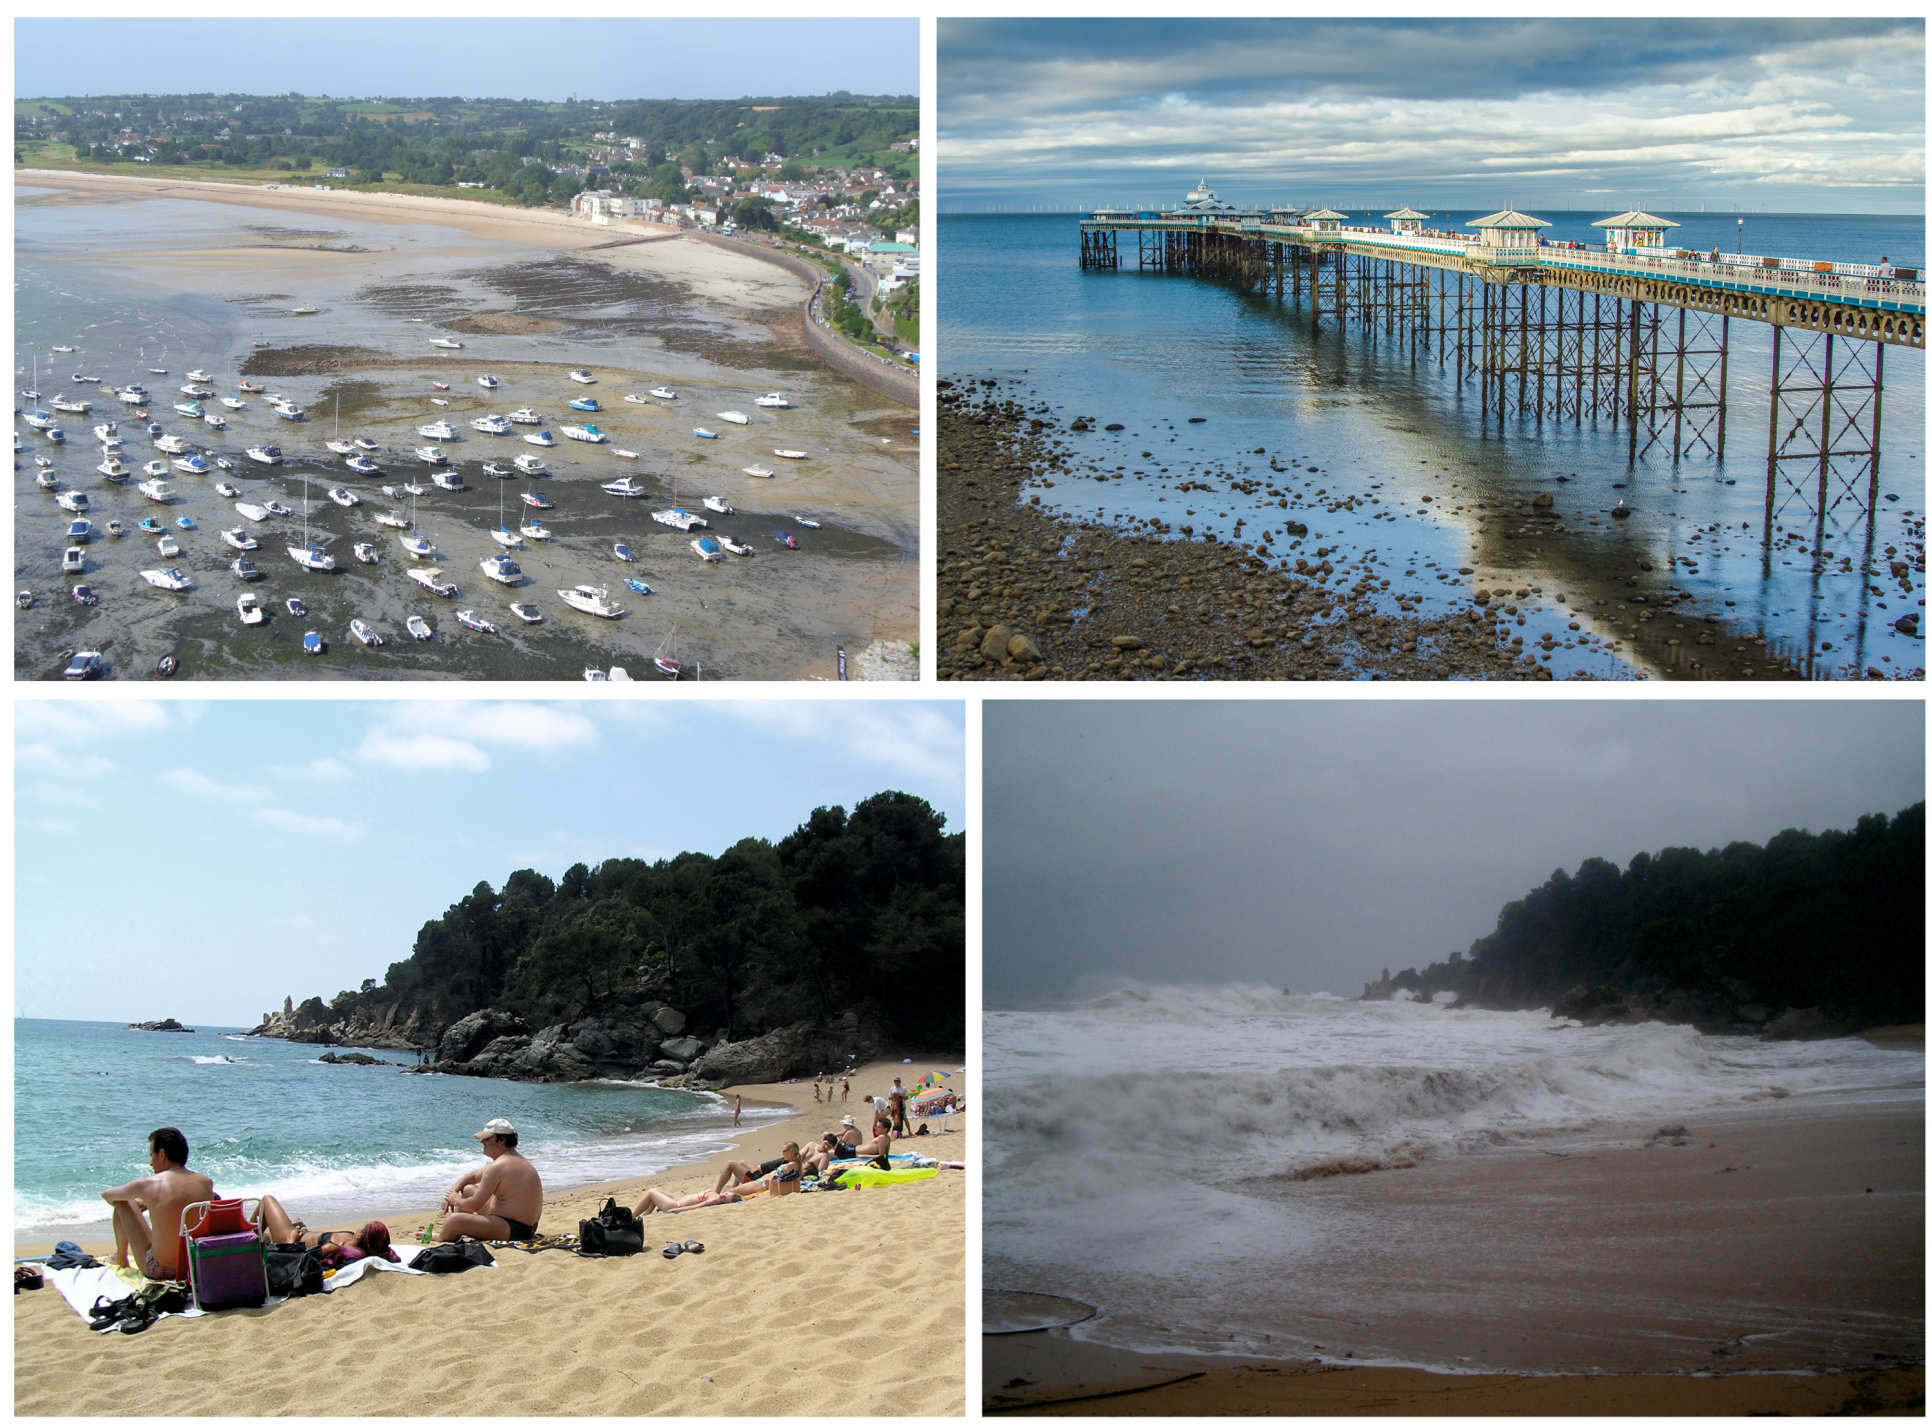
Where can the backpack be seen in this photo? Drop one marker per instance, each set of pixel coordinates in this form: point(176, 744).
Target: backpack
point(294, 1270)
point(613, 1233)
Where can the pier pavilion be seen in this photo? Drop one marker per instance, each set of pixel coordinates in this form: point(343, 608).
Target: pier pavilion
point(1632, 331)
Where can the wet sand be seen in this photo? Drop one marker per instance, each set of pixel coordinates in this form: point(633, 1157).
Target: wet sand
point(641, 314)
point(1769, 1261)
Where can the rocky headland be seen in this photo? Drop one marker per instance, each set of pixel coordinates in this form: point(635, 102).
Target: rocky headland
point(168, 1024)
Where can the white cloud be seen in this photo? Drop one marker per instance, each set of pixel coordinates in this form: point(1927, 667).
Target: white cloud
point(324, 769)
point(46, 757)
point(421, 752)
point(338, 828)
point(199, 784)
point(71, 718)
point(908, 738)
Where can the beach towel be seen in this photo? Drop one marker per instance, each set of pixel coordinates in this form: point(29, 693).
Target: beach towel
point(83, 1287)
point(884, 1178)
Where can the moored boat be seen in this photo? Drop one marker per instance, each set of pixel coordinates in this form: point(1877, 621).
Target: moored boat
point(591, 599)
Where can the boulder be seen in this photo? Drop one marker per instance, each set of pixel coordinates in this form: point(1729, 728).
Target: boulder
point(1591, 1005)
point(794, 1050)
point(468, 1036)
point(349, 1057)
point(686, 1048)
point(668, 1020)
point(1810, 1023)
point(617, 1045)
point(313, 1035)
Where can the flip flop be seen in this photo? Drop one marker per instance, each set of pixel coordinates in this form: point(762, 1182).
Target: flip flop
point(671, 1250)
point(692, 1245)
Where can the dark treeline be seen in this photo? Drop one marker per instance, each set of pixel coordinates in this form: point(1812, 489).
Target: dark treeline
point(864, 911)
point(1833, 921)
point(518, 147)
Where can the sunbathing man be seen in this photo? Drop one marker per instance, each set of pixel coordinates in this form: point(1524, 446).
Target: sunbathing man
point(156, 1239)
point(741, 1170)
point(501, 1202)
point(779, 1182)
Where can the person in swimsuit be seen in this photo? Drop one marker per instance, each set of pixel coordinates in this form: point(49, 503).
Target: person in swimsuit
point(503, 1201)
point(776, 1184)
point(147, 1211)
point(371, 1240)
point(743, 1170)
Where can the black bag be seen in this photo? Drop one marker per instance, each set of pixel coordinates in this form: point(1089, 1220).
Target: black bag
point(294, 1270)
point(613, 1233)
point(457, 1257)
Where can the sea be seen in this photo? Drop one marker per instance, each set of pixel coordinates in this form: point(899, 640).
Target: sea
point(1385, 426)
point(337, 1144)
point(1141, 1146)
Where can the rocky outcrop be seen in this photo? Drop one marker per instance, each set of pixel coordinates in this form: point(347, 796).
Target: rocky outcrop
point(783, 1054)
point(350, 1057)
point(169, 1024)
point(469, 1037)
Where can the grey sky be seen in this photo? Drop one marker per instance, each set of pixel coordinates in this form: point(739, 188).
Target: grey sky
point(1309, 844)
point(467, 54)
point(1786, 115)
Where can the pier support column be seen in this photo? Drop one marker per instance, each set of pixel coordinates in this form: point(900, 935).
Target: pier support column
point(1827, 396)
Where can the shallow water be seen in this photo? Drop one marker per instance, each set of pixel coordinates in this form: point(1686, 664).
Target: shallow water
point(132, 287)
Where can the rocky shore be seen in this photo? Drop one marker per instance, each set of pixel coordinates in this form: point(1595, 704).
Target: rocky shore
point(1025, 595)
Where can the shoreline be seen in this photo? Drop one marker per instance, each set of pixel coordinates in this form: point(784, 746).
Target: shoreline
point(1767, 1260)
point(752, 1327)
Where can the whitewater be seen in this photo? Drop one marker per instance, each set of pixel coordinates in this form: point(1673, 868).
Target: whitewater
point(1144, 1148)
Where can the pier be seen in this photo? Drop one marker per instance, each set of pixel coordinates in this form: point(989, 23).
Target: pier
point(1632, 330)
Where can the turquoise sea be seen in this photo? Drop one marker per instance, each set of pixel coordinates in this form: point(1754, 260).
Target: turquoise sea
point(336, 1143)
point(1408, 462)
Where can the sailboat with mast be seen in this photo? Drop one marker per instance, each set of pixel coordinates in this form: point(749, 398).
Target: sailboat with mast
point(503, 534)
point(414, 541)
point(309, 555)
point(337, 444)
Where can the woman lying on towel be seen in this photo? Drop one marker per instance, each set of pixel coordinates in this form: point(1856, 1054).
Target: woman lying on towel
point(338, 1245)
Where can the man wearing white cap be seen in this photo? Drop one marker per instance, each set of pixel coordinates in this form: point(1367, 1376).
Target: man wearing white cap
point(503, 1201)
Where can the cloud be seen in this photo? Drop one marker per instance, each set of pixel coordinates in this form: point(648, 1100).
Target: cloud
point(72, 719)
point(323, 769)
point(199, 784)
point(441, 736)
point(423, 752)
point(337, 828)
point(917, 740)
point(68, 763)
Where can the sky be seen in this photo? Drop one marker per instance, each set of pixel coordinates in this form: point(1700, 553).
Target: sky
point(1816, 116)
point(202, 860)
point(1309, 845)
point(459, 54)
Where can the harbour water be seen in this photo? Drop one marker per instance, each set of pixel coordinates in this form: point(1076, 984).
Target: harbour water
point(336, 1143)
point(1396, 471)
point(1145, 1148)
point(179, 284)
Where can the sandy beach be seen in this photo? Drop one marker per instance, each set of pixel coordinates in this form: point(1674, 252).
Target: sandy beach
point(825, 1304)
point(529, 295)
point(1755, 1263)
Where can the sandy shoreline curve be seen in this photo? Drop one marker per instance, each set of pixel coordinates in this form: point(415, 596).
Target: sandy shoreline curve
point(780, 1315)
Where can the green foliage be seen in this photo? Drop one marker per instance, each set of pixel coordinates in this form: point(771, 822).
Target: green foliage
point(1834, 920)
point(865, 910)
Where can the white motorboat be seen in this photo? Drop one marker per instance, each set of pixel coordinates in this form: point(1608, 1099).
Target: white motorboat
point(583, 433)
point(760, 472)
point(276, 507)
point(155, 468)
point(707, 549)
point(365, 553)
point(789, 454)
point(239, 539)
point(411, 487)
point(364, 633)
point(808, 522)
point(776, 400)
point(680, 519)
point(366, 445)
point(234, 403)
point(623, 454)
point(214, 420)
point(446, 343)
point(106, 431)
point(737, 547)
point(624, 552)
point(265, 455)
point(167, 547)
point(73, 560)
point(167, 579)
point(530, 465)
point(536, 499)
point(431, 455)
point(737, 418)
point(524, 416)
point(73, 406)
point(431, 578)
point(664, 393)
point(172, 445)
point(199, 375)
point(250, 512)
point(133, 395)
point(393, 519)
point(72, 501)
point(533, 529)
point(470, 619)
point(528, 613)
point(197, 390)
point(488, 382)
point(159, 491)
point(46, 479)
point(500, 568)
point(245, 568)
point(719, 504)
point(541, 438)
point(249, 607)
point(418, 627)
point(438, 431)
point(448, 480)
point(289, 411)
point(590, 599)
point(341, 448)
point(226, 491)
point(624, 486)
point(113, 468)
point(582, 377)
point(362, 465)
point(491, 425)
point(499, 470)
point(344, 497)
point(192, 465)
point(637, 398)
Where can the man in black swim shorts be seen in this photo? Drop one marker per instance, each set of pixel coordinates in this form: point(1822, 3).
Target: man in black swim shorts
point(743, 1170)
point(502, 1202)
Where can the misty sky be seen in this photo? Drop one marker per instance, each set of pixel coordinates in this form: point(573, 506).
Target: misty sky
point(1782, 115)
point(205, 859)
point(1310, 844)
point(254, 52)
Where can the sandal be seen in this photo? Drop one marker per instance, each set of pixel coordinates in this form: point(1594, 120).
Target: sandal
point(692, 1245)
point(671, 1250)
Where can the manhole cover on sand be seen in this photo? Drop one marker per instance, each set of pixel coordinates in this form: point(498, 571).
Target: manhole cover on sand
point(1006, 1312)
